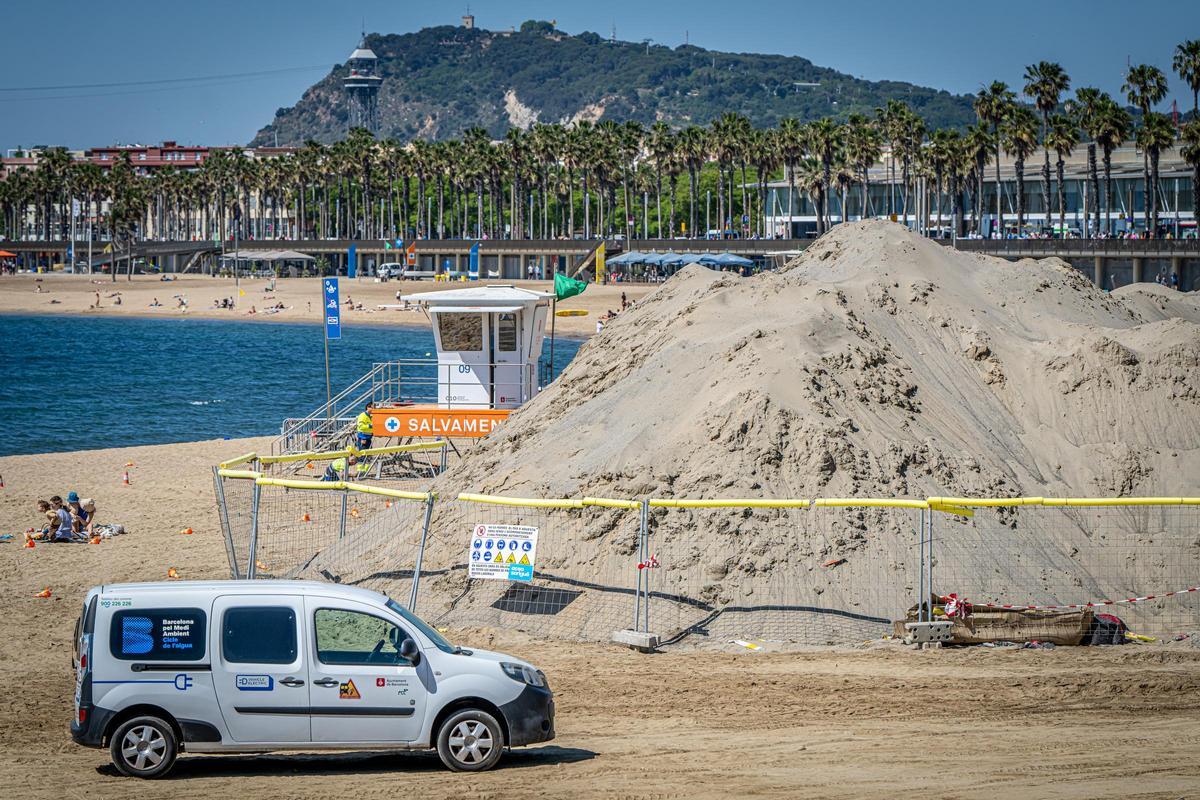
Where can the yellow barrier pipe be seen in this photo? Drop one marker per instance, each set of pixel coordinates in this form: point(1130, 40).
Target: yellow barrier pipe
point(868, 502)
point(609, 502)
point(1002, 502)
point(385, 492)
point(729, 503)
point(522, 502)
point(239, 460)
point(243, 474)
point(328, 455)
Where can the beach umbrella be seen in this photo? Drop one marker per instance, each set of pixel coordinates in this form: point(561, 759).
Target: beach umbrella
point(631, 257)
point(733, 260)
point(654, 259)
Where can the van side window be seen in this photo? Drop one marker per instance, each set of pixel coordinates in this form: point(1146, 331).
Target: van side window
point(351, 638)
point(259, 635)
point(158, 634)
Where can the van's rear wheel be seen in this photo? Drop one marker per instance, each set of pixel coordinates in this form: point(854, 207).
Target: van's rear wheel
point(144, 747)
point(470, 741)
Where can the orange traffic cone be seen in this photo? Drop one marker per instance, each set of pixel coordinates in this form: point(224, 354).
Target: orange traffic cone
point(387, 503)
point(129, 463)
point(44, 593)
point(306, 518)
point(125, 478)
point(30, 544)
point(94, 540)
point(308, 466)
point(354, 512)
point(172, 572)
point(187, 531)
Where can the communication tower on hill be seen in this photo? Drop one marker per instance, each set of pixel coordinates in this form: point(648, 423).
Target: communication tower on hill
point(362, 87)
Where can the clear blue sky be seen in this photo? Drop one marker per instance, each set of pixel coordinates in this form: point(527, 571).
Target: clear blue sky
point(950, 45)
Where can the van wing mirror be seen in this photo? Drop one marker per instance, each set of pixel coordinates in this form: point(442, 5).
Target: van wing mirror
point(408, 649)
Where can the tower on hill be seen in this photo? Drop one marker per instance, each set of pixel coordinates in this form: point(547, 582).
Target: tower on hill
point(362, 87)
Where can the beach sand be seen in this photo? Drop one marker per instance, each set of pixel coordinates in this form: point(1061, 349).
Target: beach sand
point(873, 722)
point(76, 294)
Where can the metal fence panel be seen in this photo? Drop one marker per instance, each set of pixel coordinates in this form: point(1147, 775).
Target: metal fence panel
point(1057, 556)
point(234, 512)
point(821, 576)
point(584, 577)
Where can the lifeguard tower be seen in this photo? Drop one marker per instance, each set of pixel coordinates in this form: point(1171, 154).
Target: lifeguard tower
point(489, 345)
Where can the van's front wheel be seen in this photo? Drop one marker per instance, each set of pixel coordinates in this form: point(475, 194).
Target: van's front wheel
point(470, 741)
point(144, 747)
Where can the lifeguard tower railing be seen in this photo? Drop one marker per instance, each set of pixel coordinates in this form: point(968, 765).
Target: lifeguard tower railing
point(415, 381)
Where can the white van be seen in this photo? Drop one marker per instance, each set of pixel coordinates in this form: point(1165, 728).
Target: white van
point(255, 666)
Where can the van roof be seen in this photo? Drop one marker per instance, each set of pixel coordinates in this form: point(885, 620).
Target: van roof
point(244, 587)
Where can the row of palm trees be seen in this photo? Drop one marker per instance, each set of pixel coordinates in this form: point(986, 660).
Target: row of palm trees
point(601, 179)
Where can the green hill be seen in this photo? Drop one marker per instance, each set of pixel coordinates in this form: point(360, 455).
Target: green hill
point(439, 81)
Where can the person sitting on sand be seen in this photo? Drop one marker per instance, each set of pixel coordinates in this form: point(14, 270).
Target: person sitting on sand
point(62, 530)
point(83, 512)
point(156, 304)
point(252, 310)
point(49, 521)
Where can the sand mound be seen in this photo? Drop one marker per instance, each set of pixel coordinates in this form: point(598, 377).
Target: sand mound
point(876, 364)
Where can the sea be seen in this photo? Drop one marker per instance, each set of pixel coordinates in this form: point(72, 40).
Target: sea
point(80, 383)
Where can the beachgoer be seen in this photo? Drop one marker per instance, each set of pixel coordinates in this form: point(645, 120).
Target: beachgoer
point(599, 325)
point(624, 301)
point(364, 428)
point(156, 304)
point(61, 532)
point(84, 512)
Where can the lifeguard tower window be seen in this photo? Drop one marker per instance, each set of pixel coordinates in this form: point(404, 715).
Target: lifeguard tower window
point(506, 333)
point(461, 332)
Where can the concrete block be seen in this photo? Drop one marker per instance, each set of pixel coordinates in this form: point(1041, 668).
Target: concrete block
point(925, 632)
point(638, 640)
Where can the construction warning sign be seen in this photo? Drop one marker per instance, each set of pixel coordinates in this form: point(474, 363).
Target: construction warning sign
point(502, 552)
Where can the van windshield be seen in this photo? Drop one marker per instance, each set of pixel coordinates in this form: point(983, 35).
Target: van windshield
point(438, 640)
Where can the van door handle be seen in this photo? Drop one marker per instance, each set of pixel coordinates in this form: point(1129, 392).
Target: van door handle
point(325, 682)
point(290, 681)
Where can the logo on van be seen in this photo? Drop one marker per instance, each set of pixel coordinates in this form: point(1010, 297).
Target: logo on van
point(254, 683)
point(348, 691)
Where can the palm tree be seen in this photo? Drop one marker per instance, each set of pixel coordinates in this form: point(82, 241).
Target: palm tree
point(1112, 127)
point(1190, 152)
point(1085, 108)
point(825, 139)
point(693, 148)
point(1020, 139)
point(661, 147)
point(1145, 85)
point(1156, 134)
point(943, 151)
point(992, 106)
point(864, 148)
point(725, 138)
point(1186, 64)
point(1045, 82)
point(1062, 136)
point(791, 150)
point(978, 144)
point(763, 146)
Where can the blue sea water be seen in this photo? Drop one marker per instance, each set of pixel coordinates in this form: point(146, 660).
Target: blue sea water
point(77, 383)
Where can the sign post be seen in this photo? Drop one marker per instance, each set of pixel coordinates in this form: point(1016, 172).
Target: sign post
point(333, 326)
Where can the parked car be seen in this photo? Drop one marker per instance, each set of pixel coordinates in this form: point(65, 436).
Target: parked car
point(255, 666)
point(391, 269)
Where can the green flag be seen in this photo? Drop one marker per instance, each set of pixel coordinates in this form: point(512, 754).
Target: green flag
point(565, 287)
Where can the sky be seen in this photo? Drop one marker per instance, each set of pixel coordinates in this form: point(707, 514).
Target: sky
point(947, 45)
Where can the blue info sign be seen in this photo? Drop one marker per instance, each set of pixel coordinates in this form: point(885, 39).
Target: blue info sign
point(333, 309)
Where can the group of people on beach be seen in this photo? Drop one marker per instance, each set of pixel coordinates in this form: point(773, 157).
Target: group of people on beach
point(72, 520)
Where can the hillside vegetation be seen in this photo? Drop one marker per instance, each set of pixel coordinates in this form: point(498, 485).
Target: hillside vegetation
point(440, 81)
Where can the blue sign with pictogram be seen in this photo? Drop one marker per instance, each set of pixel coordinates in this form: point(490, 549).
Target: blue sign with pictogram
point(333, 309)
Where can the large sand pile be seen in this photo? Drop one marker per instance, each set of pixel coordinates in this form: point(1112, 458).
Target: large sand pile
point(876, 364)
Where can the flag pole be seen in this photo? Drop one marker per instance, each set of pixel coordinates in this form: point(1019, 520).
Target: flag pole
point(553, 317)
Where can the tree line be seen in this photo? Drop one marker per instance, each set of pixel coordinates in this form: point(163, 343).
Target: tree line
point(601, 179)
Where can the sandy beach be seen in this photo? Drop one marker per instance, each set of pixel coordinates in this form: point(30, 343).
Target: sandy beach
point(76, 294)
point(882, 721)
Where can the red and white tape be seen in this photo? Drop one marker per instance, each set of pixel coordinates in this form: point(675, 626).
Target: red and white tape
point(1093, 604)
